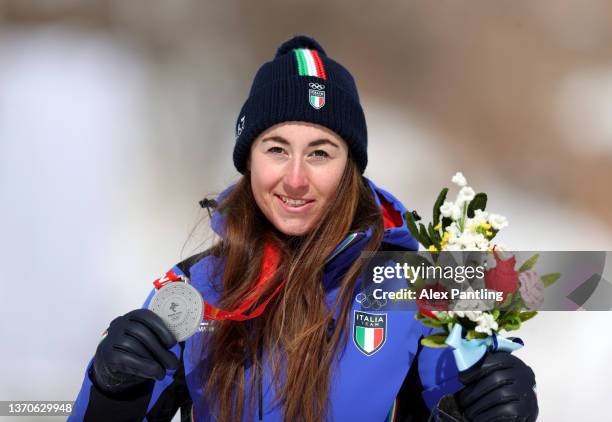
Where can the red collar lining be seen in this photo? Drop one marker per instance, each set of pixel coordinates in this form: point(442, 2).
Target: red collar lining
point(391, 216)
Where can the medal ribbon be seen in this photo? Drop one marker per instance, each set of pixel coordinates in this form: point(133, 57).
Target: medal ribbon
point(270, 263)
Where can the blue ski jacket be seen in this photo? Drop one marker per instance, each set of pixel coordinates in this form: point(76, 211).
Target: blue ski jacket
point(388, 376)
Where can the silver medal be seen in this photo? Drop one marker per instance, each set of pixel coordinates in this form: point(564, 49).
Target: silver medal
point(179, 305)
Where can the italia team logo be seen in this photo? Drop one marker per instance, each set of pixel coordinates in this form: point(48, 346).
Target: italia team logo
point(316, 95)
point(369, 331)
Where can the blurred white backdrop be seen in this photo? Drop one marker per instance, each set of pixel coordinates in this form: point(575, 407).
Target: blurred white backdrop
point(103, 157)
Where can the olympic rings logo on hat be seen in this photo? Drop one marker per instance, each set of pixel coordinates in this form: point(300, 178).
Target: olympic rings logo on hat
point(315, 85)
point(369, 301)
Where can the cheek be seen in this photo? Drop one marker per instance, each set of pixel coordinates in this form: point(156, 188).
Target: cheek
point(329, 181)
point(262, 185)
point(258, 187)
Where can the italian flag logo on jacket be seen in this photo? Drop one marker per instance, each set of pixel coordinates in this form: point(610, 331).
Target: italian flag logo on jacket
point(369, 331)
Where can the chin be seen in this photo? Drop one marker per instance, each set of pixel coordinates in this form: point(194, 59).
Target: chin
point(293, 231)
point(300, 232)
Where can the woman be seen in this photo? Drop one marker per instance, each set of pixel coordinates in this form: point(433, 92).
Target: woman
point(281, 339)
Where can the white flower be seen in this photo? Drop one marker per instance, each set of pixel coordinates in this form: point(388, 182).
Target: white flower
point(459, 179)
point(473, 241)
point(446, 209)
point(456, 212)
point(486, 324)
point(451, 247)
point(453, 229)
point(471, 315)
point(484, 320)
point(480, 217)
point(466, 239)
point(466, 194)
point(482, 244)
point(497, 221)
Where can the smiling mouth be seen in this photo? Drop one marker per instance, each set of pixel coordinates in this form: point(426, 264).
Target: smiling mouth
point(294, 202)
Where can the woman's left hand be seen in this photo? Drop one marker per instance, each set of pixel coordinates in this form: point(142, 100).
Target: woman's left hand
point(500, 387)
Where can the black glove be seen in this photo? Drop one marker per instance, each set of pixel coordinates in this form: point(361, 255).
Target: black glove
point(499, 388)
point(447, 410)
point(134, 350)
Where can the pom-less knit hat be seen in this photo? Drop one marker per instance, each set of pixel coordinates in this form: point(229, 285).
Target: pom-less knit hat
point(302, 84)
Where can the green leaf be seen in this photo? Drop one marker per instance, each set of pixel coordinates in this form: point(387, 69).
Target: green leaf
point(434, 236)
point(478, 203)
point(411, 224)
point(517, 303)
point(444, 317)
point(507, 303)
point(427, 317)
point(549, 279)
point(472, 334)
point(495, 314)
point(446, 221)
point(512, 323)
point(418, 284)
point(435, 340)
point(463, 217)
point(437, 205)
point(506, 316)
point(424, 237)
point(433, 324)
point(524, 316)
point(527, 265)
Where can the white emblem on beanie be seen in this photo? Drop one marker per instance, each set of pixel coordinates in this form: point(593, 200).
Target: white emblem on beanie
point(240, 126)
point(316, 95)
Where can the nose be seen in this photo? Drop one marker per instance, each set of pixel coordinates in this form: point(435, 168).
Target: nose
point(296, 177)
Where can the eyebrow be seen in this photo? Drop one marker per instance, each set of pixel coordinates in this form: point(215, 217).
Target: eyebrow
point(282, 140)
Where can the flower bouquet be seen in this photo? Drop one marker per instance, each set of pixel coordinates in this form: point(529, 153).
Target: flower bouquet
point(471, 327)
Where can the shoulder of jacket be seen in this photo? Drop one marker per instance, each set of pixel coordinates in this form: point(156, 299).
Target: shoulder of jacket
point(390, 247)
point(187, 264)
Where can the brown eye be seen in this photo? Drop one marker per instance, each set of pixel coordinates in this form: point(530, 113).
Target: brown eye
point(320, 154)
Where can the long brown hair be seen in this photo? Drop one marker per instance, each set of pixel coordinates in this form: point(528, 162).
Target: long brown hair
point(294, 327)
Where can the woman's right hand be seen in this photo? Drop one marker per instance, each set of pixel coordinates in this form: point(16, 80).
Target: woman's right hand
point(135, 349)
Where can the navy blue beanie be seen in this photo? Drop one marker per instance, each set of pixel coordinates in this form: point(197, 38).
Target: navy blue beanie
point(302, 84)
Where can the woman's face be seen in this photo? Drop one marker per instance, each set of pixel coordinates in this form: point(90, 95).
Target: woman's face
point(296, 168)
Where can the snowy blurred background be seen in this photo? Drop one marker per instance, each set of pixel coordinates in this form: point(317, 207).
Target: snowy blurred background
point(116, 117)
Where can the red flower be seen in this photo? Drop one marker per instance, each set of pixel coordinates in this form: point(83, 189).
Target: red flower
point(428, 313)
point(503, 278)
point(432, 298)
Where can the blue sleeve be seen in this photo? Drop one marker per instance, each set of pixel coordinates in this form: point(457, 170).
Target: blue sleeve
point(438, 373)
point(154, 400)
